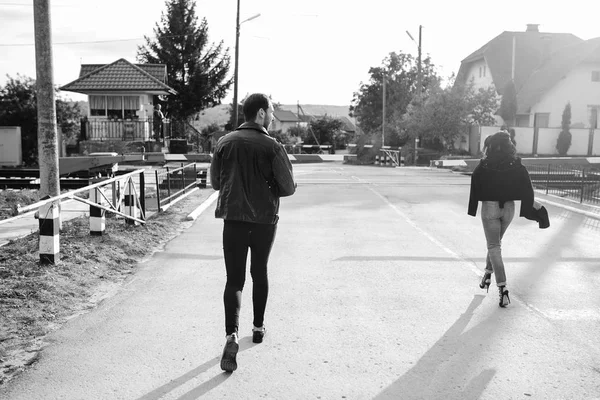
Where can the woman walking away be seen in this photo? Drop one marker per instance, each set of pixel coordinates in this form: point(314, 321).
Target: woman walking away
point(498, 180)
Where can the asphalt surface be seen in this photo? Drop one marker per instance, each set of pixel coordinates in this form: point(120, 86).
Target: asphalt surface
point(373, 295)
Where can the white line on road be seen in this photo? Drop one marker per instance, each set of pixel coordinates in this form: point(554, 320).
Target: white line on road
point(552, 314)
point(467, 263)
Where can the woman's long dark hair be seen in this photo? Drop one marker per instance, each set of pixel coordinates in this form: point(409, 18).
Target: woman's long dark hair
point(499, 146)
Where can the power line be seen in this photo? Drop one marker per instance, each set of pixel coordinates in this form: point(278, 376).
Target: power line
point(84, 42)
point(88, 41)
point(104, 41)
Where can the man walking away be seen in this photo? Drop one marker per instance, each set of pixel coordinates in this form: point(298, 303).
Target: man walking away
point(252, 171)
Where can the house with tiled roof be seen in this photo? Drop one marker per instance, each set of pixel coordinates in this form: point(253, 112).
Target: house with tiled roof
point(121, 98)
point(284, 120)
point(549, 70)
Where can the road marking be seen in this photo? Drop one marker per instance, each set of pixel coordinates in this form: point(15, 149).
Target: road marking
point(551, 314)
point(469, 264)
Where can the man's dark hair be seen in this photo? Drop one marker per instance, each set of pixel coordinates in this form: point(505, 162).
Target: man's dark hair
point(253, 103)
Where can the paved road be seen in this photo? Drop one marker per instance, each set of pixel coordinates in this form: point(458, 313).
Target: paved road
point(374, 295)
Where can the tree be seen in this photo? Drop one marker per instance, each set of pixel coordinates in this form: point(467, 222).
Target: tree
point(508, 104)
point(325, 129)
point(442, 116)
point(197, 71)
point(563, 143)
point(401, 73)
point(483, 103)
point(18, 107)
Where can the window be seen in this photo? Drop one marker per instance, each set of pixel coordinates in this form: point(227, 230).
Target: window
point(114, 107)
point(131, 105)
point(595, 76)
point(97, 105)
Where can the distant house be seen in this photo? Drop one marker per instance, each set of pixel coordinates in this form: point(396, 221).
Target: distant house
point(548, 69)
point(348, 126)
point(121, 98)
point(284, 120)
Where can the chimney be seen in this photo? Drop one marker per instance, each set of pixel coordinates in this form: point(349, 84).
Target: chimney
point(533, 28)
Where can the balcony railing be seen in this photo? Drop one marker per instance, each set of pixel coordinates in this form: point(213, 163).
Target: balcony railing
point(124, 130)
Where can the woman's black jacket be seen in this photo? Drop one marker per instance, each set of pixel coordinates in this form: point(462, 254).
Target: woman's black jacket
point(502, 179)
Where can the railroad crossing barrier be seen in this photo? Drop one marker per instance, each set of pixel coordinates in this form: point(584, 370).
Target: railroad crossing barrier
point(49, 210)
point(389, 157)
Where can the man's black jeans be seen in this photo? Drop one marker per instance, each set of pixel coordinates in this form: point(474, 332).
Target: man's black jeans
point(238, 237)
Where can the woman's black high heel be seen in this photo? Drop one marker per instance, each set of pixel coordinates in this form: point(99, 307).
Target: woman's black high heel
point(503, 292)
point(485, 281)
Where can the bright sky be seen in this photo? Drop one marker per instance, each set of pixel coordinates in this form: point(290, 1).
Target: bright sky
point(311, 51)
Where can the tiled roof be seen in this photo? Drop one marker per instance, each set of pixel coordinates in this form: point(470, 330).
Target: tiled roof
point(531, 50)
point(122, 76)
point(286, 116)
point(159, 71)
point(348, 125)
point(555, 68)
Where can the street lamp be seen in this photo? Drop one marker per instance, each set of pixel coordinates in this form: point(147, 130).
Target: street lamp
point(419, 79)
point(235, 73)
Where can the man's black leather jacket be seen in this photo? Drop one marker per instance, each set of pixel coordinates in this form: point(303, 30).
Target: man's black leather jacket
point(252, 171)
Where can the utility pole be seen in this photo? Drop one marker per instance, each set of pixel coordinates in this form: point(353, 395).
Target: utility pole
point(383, 111)
point(419, 71)
point(235, 73)
point(46, 107)
point(419, 89)
point(49, 214)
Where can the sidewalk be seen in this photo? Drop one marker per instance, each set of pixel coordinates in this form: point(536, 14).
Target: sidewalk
point(23, 225)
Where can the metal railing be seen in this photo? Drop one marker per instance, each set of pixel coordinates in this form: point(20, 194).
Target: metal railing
point(572, 181)
point(173, 184)
point(126, 130)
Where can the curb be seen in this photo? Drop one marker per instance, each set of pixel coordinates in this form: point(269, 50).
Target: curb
point(588, 214)
point(205, 204)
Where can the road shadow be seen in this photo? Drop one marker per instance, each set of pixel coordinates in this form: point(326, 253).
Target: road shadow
point(441, 372)
point(172, 255)
point(156, 394)
point(454, 259)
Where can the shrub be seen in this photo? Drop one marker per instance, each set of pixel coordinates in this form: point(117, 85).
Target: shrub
point(563, 143)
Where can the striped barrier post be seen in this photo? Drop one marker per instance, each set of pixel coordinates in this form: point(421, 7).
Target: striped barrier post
point(402, 160)
point(49, 223)
point(130, 203)
point(97, 219)
point(202, 176)
point(377, 159)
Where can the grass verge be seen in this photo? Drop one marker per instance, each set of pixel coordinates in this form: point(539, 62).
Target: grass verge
point(38, 299)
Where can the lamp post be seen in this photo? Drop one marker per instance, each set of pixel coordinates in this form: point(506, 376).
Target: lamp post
point(235, 71)
point(383, 111)
point(419, 79)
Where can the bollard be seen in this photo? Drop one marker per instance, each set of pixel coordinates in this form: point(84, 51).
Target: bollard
point(130, 204)
point(202, 176)
point(97, 219)
point(377, 159)
point(49, 221)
